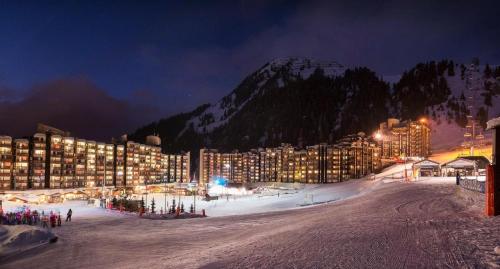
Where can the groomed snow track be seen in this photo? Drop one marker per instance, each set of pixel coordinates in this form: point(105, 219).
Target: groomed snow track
point(397, 225)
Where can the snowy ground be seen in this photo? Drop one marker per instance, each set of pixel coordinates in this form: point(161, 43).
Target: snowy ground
point(287, 196)
point(385, 223)
point(19, 238)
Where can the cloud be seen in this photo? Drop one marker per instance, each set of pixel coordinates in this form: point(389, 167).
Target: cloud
point(76, 105)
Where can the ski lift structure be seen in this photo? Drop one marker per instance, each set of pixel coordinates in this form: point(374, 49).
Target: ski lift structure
point(473, 135)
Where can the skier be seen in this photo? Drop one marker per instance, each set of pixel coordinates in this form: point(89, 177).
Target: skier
point(68, 216)
point(59, 220)
point(458, 179)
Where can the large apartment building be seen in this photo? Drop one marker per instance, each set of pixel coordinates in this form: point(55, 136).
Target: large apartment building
point(353, 157)
point(6, 162)
point(404, 138)
point(53, 159)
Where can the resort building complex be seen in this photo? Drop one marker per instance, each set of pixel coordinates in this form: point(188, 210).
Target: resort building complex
point(52, 159)
point(353, 156)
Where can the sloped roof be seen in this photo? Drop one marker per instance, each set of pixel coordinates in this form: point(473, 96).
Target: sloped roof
point(460, 163)
point(493, 123)
point(481, 161)
point(426, 163)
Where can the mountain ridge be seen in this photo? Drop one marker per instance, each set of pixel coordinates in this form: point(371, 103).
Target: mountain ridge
point(303, 101)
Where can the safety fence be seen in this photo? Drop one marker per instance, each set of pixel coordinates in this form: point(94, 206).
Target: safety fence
point(472, 184)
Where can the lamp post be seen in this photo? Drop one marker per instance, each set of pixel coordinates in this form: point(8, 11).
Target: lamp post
point(146, 185)
point(103, 181)
point(195, 191)
point(165, 179)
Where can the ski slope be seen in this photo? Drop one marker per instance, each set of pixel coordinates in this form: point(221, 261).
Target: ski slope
point(395, 225)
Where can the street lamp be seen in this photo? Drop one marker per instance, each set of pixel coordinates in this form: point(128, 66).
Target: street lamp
point(103, 199)
point(228, 166)
point(165, 179)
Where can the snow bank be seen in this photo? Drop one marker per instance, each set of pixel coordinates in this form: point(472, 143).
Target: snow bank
point(19, 238)
point(271, 197)
point(265, 197)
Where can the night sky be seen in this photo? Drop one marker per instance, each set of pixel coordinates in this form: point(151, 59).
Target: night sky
point(104, 68)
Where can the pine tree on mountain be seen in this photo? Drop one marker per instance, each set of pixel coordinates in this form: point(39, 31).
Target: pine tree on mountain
point(496, 74)
point(482, 116)
point(451, 69)
point(487, 71)
point(475, 61)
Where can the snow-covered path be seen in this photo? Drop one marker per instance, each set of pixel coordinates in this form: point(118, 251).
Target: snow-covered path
point(397, 225)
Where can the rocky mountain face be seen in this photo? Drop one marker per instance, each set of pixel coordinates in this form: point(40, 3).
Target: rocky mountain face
point(304, 102)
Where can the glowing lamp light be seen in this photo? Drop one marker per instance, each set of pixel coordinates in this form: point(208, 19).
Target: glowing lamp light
point(423, 120)
point(378, 136)
point(219, 181)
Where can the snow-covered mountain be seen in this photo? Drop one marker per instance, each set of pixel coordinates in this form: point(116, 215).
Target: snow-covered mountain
point(440, 91)
point(303, 102)
point(277, 73)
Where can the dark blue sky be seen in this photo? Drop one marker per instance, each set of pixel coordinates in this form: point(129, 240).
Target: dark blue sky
point(168, 57)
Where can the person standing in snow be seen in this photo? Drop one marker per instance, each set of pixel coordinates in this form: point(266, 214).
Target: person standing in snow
point(45, 221)
point(52, 220)
point(458, 178)
point(68, 216)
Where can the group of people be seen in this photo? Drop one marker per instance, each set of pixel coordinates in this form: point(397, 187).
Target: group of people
point(27, 217)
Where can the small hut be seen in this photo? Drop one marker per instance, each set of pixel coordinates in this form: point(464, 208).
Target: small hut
point(462, 166)
point(426, 168)
point(481, 163)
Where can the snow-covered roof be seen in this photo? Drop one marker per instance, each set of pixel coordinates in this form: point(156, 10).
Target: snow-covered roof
point(460, 163)
point(493, 123)
point(426, 164)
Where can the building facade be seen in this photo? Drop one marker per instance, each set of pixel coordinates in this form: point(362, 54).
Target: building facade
point(404, 139)
point(6, 162)
point(353, 157)
point(20, 173)
point(38, 159)
point(53, 159)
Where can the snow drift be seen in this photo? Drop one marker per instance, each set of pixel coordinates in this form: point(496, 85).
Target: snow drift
point(19, 238)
